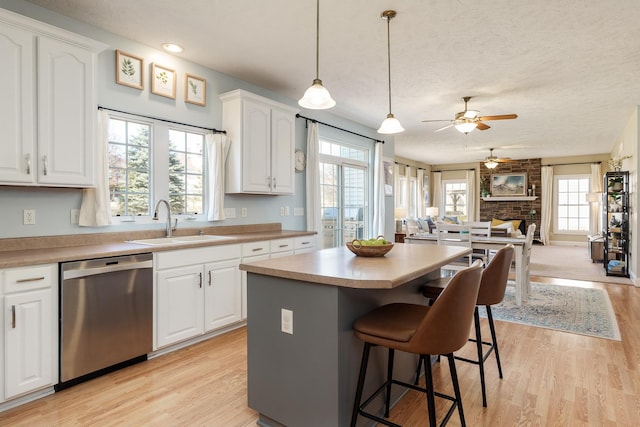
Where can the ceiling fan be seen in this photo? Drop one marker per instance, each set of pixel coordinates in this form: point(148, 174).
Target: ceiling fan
point(491, 161)
point(468, 120)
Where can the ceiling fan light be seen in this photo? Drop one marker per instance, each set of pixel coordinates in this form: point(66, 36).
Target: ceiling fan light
point(317, 97)
point(491, 164)
point(466, 126)
point(390, 125)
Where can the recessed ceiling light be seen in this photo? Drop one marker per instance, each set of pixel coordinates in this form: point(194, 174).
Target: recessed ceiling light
point(174, 48)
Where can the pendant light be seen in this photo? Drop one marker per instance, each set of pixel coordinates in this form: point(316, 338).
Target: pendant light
point(317, 97)
point(390, 125)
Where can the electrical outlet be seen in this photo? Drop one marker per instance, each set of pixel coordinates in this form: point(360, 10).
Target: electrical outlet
point(29, 216)
point(286, 211)
point(286, 321)
point(281, 210)
point(244, 212)
point(230, 212)
point(75, 216)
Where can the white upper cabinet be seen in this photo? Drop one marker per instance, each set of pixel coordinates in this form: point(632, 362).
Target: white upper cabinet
point(48, 107)
point(262, 137)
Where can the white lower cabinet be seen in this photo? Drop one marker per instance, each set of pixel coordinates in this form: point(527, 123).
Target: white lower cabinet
point(197, 290)
point(253, 251)
point(30, 328)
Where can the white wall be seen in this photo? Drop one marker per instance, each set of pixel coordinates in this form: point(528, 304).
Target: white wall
point(53, 206)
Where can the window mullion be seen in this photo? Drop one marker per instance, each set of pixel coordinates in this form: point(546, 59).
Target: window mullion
point(160, 165)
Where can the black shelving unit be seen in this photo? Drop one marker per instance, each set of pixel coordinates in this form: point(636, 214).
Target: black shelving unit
point(615, 211)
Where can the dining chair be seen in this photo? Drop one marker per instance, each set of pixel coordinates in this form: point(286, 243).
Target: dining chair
point(526, 255)
point(422, 330)
point(455, 235)
point(492, 289)
point(482, 229)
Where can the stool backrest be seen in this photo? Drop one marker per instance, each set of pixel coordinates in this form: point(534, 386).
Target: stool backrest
point(446, 326)
point(495, 276)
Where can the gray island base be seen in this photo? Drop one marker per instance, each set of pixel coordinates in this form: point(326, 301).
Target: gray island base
point(308, 377)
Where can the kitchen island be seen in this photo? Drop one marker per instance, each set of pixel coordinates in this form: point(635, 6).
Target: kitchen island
point(307, 375)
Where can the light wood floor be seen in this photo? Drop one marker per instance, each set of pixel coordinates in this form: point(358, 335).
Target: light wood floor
point(550, 379)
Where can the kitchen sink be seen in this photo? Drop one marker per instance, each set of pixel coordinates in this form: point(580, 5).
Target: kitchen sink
point(159, 241)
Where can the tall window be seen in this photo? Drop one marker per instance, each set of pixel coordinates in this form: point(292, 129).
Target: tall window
point(186, 171)
point(573, 213)
point(129, 167)
point(343, 192)
point(455, 198)
point(149, 160)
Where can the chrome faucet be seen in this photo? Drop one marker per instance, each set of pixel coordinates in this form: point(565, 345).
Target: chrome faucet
point(155, 215)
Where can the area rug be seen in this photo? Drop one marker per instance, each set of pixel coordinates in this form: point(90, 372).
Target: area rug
point(569, 262)
point(572, 309)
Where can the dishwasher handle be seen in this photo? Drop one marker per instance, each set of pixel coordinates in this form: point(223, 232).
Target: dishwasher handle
point(92, 271)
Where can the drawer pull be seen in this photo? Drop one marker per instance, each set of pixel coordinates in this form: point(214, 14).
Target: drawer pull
point(257, 249)
point(305, 243)
point(283, 246)
point(32, 279)
point(13, 317)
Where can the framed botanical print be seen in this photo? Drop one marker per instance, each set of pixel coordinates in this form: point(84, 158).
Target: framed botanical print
point(163, 81)
point(129, 70)
point(195, 90)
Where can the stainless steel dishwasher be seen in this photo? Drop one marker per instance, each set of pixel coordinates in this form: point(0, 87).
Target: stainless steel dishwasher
point(106, 314)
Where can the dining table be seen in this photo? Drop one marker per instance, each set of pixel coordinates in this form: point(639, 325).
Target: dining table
point(493, 243)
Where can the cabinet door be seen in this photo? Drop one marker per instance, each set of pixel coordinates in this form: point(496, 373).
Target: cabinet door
point(222, 295)
point(256, 149)
point(66, 114)
point(28, 341)
point(179, 304)
point(16, 105)
point(282, 151)
point(244, 280)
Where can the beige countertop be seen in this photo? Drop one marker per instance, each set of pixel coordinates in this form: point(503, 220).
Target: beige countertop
point(16, 252)
point(340, 267)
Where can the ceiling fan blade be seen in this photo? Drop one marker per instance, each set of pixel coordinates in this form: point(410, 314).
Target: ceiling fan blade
point(482, 126)
point(443, 128)
point(427, 121)
point(500, 117)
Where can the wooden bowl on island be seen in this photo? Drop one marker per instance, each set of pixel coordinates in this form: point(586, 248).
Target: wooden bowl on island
point(370, 248)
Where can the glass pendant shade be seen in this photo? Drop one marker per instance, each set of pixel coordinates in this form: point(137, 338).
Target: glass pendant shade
point(317, 97)
point(491, 164)
point(390, 125)
point(466, 127)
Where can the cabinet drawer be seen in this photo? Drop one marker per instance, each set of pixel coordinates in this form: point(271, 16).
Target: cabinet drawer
point(304, 242)
point(28, 278)
point(281, 245)
point(182, 257)
point(255, 248)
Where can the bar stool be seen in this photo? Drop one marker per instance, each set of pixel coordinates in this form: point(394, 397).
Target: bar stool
point(492, 288)
point(419, 329)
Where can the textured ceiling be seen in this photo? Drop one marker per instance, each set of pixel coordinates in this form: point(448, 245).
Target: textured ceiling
point(570, 69)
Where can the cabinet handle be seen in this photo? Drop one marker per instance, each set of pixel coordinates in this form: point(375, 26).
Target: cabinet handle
point(200, 284)
point(33, 279)
point(305, 243)
point(28, 159)
point(257, 249)
point(45, 164)
point(269, 183)
point(13, 317)
point(274, 183)
point(209, 277)
point(283, 246)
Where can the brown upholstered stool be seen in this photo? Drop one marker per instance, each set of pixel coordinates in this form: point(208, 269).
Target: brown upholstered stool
point(440, 329)
point(492, 288)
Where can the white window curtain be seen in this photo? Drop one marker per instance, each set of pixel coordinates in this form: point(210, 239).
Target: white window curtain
point(95, 210)
point(378, 192)
point(420, 212)
point(396, 186)
point(546, 198)
point(217, 149)
point(314, 210)
point(411, 202)
point(437, 193)
point(471, 195)
point(596, 187)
